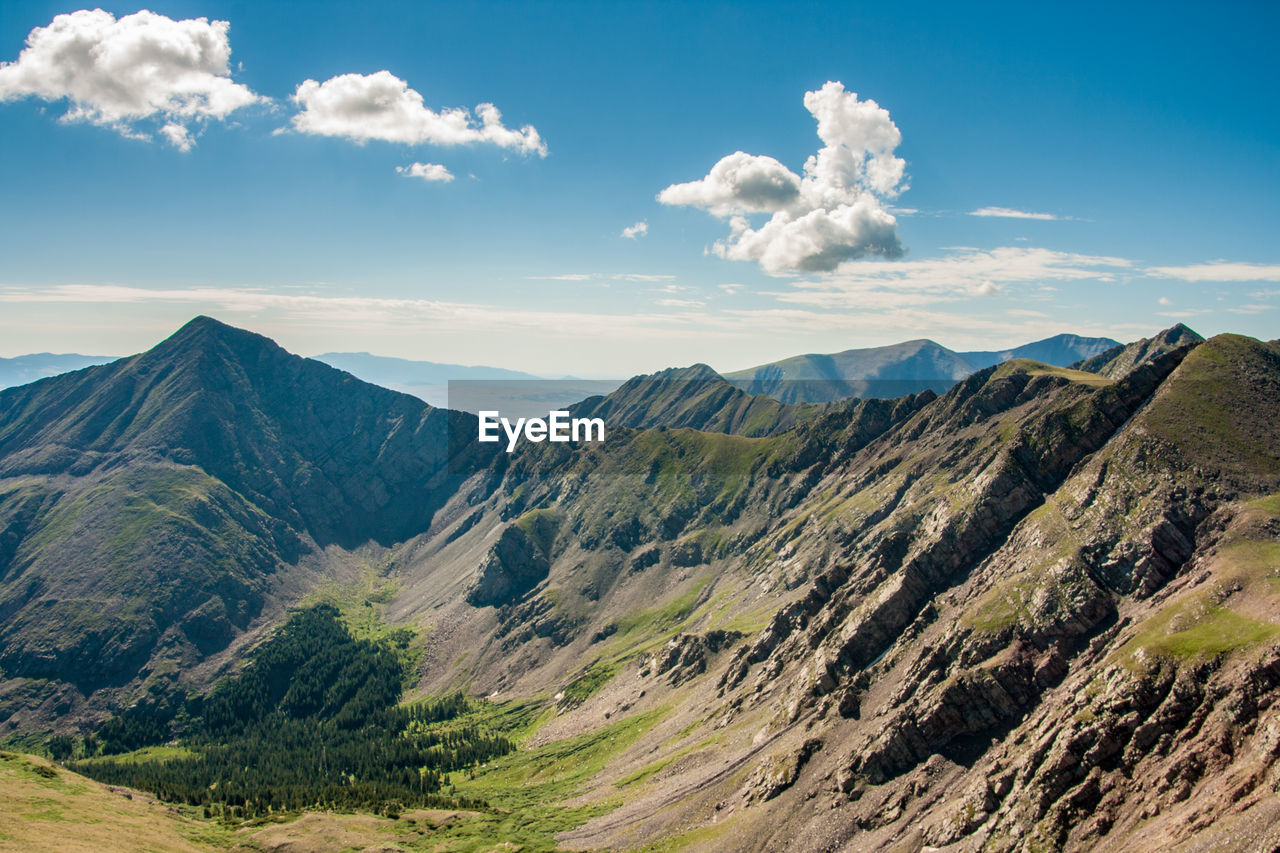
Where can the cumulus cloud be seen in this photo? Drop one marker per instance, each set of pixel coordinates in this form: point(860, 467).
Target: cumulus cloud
point(640, 229)
point(835, 212)
point(129, 73)
point(381, 106)
point(1010, 213)
point(1219, 271)
point(739, 183)
point(426, 171)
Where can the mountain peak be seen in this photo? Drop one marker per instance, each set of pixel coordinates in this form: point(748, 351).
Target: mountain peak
point(1179, 333)
point(693, 373)
point(202, 331)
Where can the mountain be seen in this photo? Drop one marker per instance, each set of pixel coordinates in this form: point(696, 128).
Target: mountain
point(694, 397)
point(882, 372)
point(152, 506)
point(1119, 360)
point(893, 371)
point(28, 368)
point(1060, 350)
point(1037, 611)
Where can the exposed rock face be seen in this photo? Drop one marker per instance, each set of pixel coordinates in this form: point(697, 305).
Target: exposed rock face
point(1051, 623)
point(513, 566)
point(685, 655)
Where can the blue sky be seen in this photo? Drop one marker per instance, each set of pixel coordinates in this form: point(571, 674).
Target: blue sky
point(1146, 142)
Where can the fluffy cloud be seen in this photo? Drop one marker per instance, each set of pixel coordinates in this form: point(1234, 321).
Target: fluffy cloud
point(426, 171)
point(834, 213)
point(122, 73)
point(381, 106)
point(739, 183)
point(640, 229)
point(1010, 213)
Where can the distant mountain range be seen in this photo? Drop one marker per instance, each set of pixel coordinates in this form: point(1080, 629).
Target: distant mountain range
point(28, 368)
point(891, 371)
point(880, 372)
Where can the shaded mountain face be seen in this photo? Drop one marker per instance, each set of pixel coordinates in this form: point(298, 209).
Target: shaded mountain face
point(28, 368)
point(1119, 360)
point(146, 504)
point(893, 371)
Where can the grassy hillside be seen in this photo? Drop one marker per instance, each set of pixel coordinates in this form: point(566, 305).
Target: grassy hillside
point(49, 808)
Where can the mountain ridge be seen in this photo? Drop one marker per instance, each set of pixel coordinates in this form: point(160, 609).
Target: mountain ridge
point(897, 369)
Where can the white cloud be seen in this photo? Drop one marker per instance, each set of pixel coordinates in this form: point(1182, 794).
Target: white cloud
point(426, 171)
point(381, 106)
point(681, 303)
point(672, 288)
point(731, 289)
point(1219, 271)
point(834, 213)
point(1164, 300)
point(178, 135)
point(739, 183)
point(963, 273)
point(1010, 213)
point(1251, 309)
point(125, 73)
point(640, 229)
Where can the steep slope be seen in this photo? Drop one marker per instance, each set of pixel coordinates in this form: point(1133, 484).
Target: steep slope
point(584, 558)
point(1119, 360)
point(1059, 350)
point(147, 504)
point(695, 397)
point(1052, 623)
point(22, 369)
